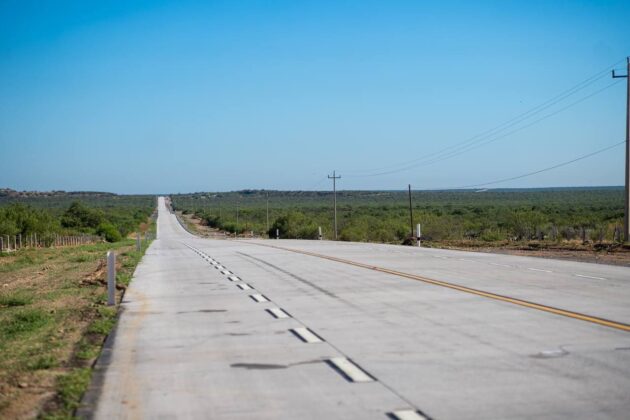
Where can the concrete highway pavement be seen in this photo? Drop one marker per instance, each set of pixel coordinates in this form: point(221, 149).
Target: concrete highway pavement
point(290, 333)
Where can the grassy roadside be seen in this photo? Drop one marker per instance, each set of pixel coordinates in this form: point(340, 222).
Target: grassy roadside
point(53, 322)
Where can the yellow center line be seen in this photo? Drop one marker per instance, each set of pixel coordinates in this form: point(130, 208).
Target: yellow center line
point(490, 295)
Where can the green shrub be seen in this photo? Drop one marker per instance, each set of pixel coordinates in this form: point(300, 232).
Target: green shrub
point(109, 232)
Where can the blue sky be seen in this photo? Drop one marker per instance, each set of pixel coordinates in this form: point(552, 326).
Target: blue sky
point(148, 97)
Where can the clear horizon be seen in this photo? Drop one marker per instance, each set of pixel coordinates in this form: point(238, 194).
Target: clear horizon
point(156, 96)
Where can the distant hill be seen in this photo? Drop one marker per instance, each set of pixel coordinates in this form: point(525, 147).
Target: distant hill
point(10, 193)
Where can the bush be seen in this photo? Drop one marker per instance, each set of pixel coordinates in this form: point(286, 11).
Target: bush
point(294, 225)
point(109, 232)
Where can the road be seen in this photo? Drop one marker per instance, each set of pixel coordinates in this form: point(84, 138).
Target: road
point(330, 330)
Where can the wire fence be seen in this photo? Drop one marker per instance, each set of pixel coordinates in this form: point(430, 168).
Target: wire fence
point(11, 243)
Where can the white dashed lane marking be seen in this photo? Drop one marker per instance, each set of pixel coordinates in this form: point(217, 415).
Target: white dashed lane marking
point(349, 370)
point(501, 265)
point(244, 286)
point(590, 277)
point(306, 335)
point(278, 313)
point(259, 298)
point(538, 269)
point(408, 415)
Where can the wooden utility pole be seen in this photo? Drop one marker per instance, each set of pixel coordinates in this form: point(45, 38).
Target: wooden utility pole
point(626, 198)
point(267, 212)
point(410, 214)
point(335, 178)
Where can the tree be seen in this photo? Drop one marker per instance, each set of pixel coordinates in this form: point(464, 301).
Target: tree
point(81, 217)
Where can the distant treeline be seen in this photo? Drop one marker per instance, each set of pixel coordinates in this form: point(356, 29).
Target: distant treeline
point(383, 216)
point(111, 216)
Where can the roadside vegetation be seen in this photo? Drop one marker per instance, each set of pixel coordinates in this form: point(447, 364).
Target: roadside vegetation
point(487, 217)
point(109, 216)
point(53, 313)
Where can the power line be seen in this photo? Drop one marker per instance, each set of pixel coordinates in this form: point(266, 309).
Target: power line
point(559, 165)
point(499, 128)
point(444, 156)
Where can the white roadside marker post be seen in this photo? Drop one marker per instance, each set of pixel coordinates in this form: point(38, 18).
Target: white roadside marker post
point(418, 234)
point(111, 278)
point(277, 233)
point(320, 233)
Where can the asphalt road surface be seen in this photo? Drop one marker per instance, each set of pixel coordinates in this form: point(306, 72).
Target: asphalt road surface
point(269, 329)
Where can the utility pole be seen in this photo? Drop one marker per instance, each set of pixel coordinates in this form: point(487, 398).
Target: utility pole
point(626, 198)
point(410, 213)
point(335, 178)
point(267, 212)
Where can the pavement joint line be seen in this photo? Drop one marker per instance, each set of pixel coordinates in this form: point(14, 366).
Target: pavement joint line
point(244, 286)
point(278, 313)
point(349, 370)
point(519, 302)
point(306, 335)
point(259, 298)
point(590, 277)
point(407, 415)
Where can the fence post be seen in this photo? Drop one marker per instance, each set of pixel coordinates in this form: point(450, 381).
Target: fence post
point(111, 278)
point(418, 234)
point(15, 242)
point(8, 243)
point(1, 244)
point(36, 244)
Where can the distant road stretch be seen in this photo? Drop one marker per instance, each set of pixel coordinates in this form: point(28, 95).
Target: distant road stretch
point(287, 329)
